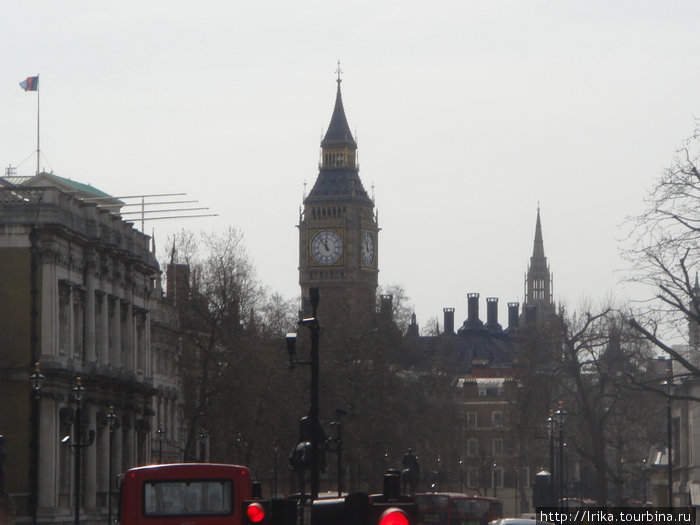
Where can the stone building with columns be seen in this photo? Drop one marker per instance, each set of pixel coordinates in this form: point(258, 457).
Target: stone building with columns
point(80, 294)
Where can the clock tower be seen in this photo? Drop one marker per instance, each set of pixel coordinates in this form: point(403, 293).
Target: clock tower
point(338, 242)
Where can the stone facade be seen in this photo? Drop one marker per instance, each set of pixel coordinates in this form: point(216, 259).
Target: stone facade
point(81, 296)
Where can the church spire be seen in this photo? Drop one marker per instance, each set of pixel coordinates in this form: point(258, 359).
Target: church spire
point(538, 281)
point(538, 247)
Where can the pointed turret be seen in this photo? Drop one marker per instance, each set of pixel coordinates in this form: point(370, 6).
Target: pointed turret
point(338, 132)
point(538, 281)
point(338, 176)
point(538, 248)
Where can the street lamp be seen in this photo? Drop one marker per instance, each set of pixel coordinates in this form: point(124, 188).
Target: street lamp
point(36, 378)
point(493, 479)
point(668, 383)
point(160, 433)
point(112, 423)
point(550, 432)
point(203, 437)
point(78, 390)
point(560, 415)
point(275, 451)
point(313, 325)
point(339, 447)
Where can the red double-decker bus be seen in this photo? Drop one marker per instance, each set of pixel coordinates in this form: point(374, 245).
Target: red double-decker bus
point(192, 493)
point(453, 508)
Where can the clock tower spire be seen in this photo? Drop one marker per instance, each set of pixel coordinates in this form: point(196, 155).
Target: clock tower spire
point(338, 244)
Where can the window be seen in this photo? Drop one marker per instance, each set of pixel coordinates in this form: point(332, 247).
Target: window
point(473, 478)
point(497, 478)
point(497, 447)
point(473, 448)
point(497, 419)
point(188, 498)
point(472, 421)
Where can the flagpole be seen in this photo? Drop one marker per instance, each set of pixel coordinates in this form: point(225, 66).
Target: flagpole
point(38, 151)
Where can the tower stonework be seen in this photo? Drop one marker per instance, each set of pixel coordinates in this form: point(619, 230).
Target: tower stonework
point(338, 230)
point(538, 302)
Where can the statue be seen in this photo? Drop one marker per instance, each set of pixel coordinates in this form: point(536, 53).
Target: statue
point(410, 475)
point(300, 456)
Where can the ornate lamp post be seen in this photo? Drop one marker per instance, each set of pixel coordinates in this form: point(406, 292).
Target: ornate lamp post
point(494, 480)
point(550, 433)
point(275, 451)
point(160, 433)
point(112, 423)
point(203, 438)
point(78, 390)
point(560, 415)
point(668, 383)
point(315, 328)
point(339, 447)
point(36, 378)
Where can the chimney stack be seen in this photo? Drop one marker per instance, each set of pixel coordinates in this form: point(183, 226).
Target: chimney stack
point(513, 321)
point(385, 308)
point(473, 322)
point(472, 307)
point(448, 320)
point(492, 314)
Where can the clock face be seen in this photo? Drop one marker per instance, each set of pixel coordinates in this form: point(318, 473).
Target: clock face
point(367, 249)
point(326, 247)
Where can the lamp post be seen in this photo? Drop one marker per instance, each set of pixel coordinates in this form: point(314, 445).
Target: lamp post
point(493, 479)
point(36, 378)
point(339, 447)
point(461, 475)
point(550, 433)
point(78, 390)
point(668, 383)
point(313, 325)
point(275, 451)
point(160, 433)
point(203, 437)
point(560, 415)
point(112, 422)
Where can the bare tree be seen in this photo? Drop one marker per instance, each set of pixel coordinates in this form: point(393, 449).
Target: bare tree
point(232, 364)
point(664, 248)
point(591, 362)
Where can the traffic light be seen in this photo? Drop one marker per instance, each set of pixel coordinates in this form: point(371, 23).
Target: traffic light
point(361, 509)
point(393, 513)
point(269, 512)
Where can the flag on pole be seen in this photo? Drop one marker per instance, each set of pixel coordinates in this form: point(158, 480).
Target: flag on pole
point(30, 84)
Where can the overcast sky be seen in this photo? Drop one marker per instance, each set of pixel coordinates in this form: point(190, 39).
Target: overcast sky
point(467, 115)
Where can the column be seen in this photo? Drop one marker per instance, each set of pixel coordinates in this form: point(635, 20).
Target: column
point(48, 453)
point(90, 343)
point(116, 324)
point(103, 452)
point(49, 307)
point(89, 485)
point(129, 353)
point(103, 343)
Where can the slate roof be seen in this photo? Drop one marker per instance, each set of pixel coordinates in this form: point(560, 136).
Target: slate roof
point(338, 131)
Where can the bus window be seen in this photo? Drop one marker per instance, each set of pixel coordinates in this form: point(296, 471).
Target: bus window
point(187, 498)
